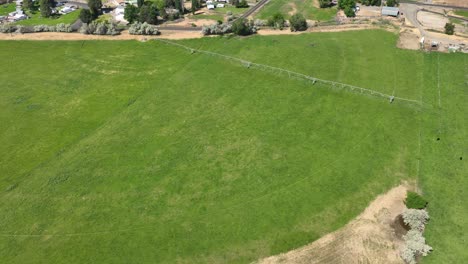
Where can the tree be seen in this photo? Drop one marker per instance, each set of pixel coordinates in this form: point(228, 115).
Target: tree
point(235, 2)
point(169, 3)
point(131, 13)
point(148, 14)
point(325, 3)
point(178, 5)
point(342, 4)
point(392, 2)
point(276, 21)
point(242, 4)
point(195, 6)
point(46, 8)
point(449, 28)
point(298, 22)
point(349, 11)
point(95, 7)
point(140, 3)
point(241, 27)
point(86, 16)
point(28, 4)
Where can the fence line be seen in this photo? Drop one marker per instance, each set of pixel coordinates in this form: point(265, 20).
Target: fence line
point(312, 79)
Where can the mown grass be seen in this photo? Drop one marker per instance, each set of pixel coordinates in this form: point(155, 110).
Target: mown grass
point(306, 8)
point(36, 19)
point(5, 9)
point(141, 152)
point(463, 13)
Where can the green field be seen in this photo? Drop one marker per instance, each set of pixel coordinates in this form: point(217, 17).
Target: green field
point(304, 7)
point(36, 19)
point(463, 13)
point(132, 152)
point(220, 13)
point(5, 9)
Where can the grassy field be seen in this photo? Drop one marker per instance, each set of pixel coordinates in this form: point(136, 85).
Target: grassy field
point(220, 13)
point(304, 7)
point(463, 13)
point(140, 152)
point(5, 9)
point(36, 19)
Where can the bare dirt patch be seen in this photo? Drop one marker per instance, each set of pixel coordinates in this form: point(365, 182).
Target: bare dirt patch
point(293, 9)
point(431, 20)
point(370, 238)
point(409, 39)
point(462, 3)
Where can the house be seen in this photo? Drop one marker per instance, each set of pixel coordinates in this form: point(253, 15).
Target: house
point(390, 11)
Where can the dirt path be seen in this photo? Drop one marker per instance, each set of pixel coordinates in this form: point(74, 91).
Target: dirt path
point(293, 9)
point(370, 238)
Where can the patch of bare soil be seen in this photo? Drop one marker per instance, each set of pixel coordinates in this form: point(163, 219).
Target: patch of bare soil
point(293, 9)
point(373, 237)
point(462, 3)
point(316, 3)
point(431, 20)
point(336, 28)
point(409, 39)
point(166, 34)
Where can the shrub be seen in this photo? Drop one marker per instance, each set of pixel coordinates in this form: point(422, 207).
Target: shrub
point(298, 23)
point(21, 29)
point(416, 219)
point(260, 23)
point(449, 28)
point(41, 28)
point(216, 29)
point(63, 28)
point(415, 246)
point(143, 29)
point(7, 28)
point(392, 2)
point(276, 21)
point(325, 3)
point(97, 28)
point(415, 201)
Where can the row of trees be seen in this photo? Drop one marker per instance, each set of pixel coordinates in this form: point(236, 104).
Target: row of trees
point(297, 22)
point(144, 12)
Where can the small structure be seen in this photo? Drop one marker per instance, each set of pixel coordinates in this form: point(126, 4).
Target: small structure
point(210, 7)
point(219, 5)
point(390, 11)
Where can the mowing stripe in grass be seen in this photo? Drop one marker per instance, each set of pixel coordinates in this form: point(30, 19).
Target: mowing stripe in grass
point(295, 74)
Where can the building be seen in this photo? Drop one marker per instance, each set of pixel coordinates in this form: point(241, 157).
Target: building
point(390, 11)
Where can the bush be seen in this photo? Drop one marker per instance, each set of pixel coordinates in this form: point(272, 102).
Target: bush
point(325, 3)
point(63, 28)
point(415, 201)
point(298, 23)
point(97, 28)
point(7, 28)
point(216, 29)
point(143, 29)
point(416, 219)
point(449, 28)
point(392, 2)
point(415, 246)
point(276, 21)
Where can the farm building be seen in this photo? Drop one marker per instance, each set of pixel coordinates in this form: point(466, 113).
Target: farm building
point(390, 11)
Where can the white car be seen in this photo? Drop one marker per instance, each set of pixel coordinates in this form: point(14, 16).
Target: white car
point(210, 7)
point(219, 5)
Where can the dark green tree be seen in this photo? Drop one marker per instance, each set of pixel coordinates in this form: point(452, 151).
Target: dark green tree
point(140, 3)
point(46, 7)
point(148, 14)
point(325, 3)
point(178, 5)
point(276, 21)
point(131, 13)
point(95, 7)
point(242, 4)
point(86, 16)
point(241, 27)
point(170, 3)
point(449, 28)
point(298, 22)
point(195, 5)
point(349, 11)
point(28, 4)
point(392, 2)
